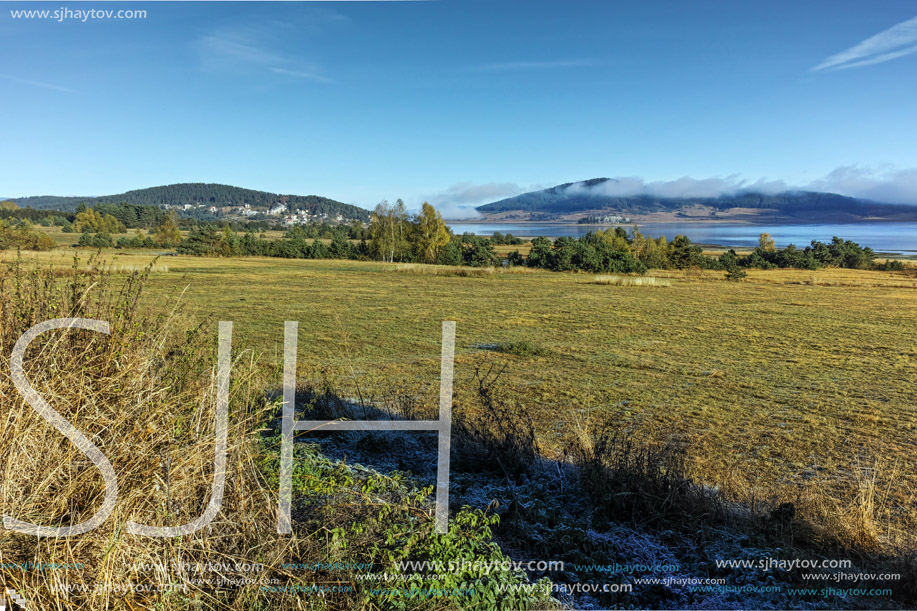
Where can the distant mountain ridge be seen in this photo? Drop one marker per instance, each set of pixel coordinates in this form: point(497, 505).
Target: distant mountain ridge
point(195, 193)
point(571, 200)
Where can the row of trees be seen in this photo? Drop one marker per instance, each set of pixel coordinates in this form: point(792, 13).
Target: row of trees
point(394, 235)
point(11, 211)
point(93, 221)
point(209, 240)
point(132, 216)
point(593, 252)
point(111, 218)
point(96, 230)
point(836, 253)
point(616, 250)
point(507, 239)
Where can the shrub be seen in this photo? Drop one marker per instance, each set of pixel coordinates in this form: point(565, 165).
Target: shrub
point(515, 259)
point(96, 240)
point(523, 348)
point(889, 265)
point(23, 236)
point(497, 432)
point(451, 253)
point(478, 251)
point(730, 262)
point(137, 241)
point(507, 240)
point(634, 480)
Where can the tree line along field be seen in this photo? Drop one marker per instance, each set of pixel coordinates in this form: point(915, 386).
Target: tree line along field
point(394, 235)
point(792, 386)
point(70, 239)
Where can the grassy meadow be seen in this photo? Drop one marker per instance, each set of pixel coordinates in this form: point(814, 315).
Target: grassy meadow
point(788, 387)
point(784, 384)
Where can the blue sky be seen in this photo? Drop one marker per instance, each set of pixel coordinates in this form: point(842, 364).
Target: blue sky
point(460, 102)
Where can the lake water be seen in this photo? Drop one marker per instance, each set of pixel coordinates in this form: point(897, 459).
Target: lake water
point(881, 237)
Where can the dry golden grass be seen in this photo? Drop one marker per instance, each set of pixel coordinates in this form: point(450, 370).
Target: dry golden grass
point(143, 394)
point(615, 280)
point(781, 384)
point(458, 271)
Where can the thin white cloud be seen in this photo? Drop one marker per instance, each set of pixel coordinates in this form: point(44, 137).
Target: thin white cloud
point(40, 84)
point(533, 65)
point(231, 48)
point(256, 48)
point(459, 200)
point(897, 41)
point(301, 74)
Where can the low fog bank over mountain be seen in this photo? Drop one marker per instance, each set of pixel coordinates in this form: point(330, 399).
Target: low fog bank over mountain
point(689, 199)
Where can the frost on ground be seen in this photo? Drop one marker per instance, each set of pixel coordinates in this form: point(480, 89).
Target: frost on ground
point(610, 560)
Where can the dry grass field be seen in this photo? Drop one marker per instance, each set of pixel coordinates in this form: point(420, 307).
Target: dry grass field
point(790, 386)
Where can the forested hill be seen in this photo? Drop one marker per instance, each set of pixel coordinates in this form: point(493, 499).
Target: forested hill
point(196, 193)
point(597, 196)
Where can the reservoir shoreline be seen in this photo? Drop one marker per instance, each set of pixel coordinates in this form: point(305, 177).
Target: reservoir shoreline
point(881, 236)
